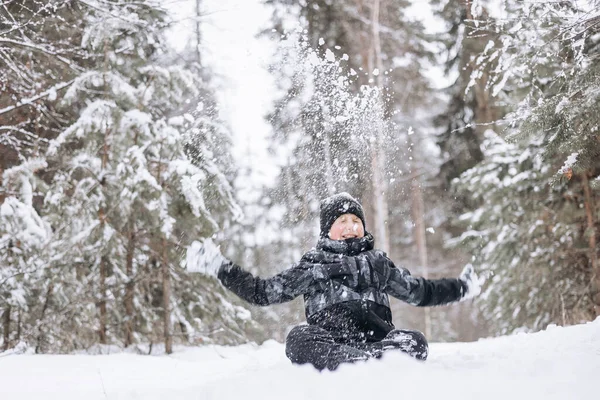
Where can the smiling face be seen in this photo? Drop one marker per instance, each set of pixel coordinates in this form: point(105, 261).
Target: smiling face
point(347, 226)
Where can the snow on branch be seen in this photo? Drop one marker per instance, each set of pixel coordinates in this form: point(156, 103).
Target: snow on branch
point(47, 93)
point(20, 175)
point(112, 24)
point(96, 117)
point(18, 218)
point(119, 87)
point(569, 162)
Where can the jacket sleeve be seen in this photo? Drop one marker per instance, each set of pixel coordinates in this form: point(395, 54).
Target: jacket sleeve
point(420, 291)
point(280, 288)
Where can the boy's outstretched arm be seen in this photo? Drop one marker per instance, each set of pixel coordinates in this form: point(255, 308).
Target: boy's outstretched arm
point(206, 258)
point(431, 292)
point(280, 288)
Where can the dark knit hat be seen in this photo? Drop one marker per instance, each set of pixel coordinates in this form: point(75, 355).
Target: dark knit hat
point(336, 205)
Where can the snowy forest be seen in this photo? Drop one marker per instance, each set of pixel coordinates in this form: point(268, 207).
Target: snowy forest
point(469, 130)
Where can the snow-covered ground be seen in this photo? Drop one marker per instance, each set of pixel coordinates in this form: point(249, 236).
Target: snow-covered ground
point(559, 363)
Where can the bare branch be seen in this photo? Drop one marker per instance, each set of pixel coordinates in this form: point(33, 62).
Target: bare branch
point(19, 72)
point(41, 49)
point(30, 100)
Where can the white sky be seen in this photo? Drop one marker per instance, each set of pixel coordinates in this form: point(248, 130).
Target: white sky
point(246, 89)
point(239, 60)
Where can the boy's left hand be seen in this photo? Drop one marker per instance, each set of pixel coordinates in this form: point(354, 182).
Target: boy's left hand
point(472, 282)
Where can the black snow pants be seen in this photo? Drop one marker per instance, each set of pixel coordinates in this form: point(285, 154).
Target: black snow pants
point(324, 349)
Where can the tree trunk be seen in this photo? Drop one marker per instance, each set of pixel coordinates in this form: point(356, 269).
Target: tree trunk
point(484, 114)
point(102, 213)
point(102, 303)
point(378, 158)
point(418, 212)
point(130, 286)
point(40, 338)
point(328, 163)
point(198, 31)
point(6, 328)
point(468, 9)
point(591, 232)
point(166, 300)
point(2, 195)
point(19, 322)
point(166, 274)
point(364, 37)
point(307, 234)
point(376, 44)
point(379, 192)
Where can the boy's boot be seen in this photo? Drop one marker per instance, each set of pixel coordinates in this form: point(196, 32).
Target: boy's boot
point(411, 342)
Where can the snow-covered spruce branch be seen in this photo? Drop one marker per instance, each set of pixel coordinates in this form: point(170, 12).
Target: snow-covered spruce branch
point(23, 131)
point(152, 251)
point(137, 22)
point(9, 138)
point(498, 122)
point(51, 243)
point(10, 141)
point(565, 32)
point(10, 277)
point(30, 100)
point(146, 4)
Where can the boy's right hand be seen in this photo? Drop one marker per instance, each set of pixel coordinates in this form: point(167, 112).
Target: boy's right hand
point(204, 257)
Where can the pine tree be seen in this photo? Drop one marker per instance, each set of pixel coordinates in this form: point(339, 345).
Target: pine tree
point(133, 177)
point(538, 217)
point(24, 240)
point(40, 56)
point(566, 115)
point(528, 235)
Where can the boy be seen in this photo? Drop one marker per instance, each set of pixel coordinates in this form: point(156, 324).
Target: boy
point(345, 283)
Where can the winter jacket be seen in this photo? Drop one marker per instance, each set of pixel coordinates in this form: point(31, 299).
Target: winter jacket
point(345, 285)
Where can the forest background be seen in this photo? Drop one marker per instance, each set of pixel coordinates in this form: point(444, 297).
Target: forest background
point(470, 134)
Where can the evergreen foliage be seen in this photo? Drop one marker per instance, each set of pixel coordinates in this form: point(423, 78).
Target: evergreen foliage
point(534, 210)
point(126, 183)
point(526, 235)
point(114, 159)
point(547, 64)
point(471, 108)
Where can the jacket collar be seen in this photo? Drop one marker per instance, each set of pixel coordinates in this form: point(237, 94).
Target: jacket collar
point(348, 247)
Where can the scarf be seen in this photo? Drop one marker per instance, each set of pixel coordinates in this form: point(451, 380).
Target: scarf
point(330, 251)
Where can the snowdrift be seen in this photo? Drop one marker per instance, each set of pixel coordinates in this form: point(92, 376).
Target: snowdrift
point(558, 363)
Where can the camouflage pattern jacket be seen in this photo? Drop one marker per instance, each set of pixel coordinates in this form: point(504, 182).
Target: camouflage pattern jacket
point(345, 285)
